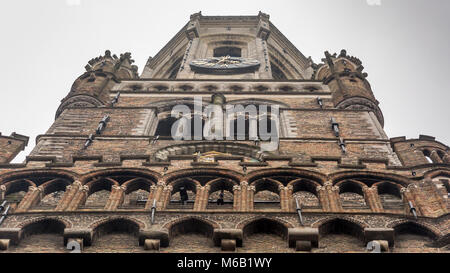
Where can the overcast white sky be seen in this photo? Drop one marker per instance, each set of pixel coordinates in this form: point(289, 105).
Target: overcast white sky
point(403, 44)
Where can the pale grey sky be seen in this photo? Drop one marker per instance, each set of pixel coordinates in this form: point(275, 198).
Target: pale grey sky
point(403, 44)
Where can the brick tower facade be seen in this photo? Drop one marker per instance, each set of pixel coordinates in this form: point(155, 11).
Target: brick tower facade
point(111, 174)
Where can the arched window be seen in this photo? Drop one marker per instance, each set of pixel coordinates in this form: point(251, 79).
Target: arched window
point(267, 195)
point(351, 195)
point(390, 196)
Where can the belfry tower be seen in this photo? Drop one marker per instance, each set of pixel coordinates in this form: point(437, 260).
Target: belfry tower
point(121, 169)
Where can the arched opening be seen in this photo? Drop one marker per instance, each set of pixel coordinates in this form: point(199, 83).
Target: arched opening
point(390, 196)
point(351, 195)
point(45, 235)
point(306, 194)
point(16, 191)
point(136, 193)
point(53, 192)
point(266, 195)
point(221, 194)
point(116, 235)
point(183, 194)
point(411, 237)
point(98, 195)
point(196, 232)
point(265, 235)
point(339, 235)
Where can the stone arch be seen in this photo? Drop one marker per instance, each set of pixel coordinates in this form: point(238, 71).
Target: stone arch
point(191, 224)
point(210, 171)
point(437, 172)
point(407, 226)
point(369, 178)
point(29, 174)
point(338, 225)
point(299, 173)
point(44, 225)
point(116, 224)
point(265, 225)
point(64, 222)
point(148, 174)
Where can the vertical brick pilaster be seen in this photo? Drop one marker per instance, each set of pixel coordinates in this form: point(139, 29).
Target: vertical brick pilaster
point(205, 197)
point(251, 198)
point(165, 196)
point(79, 198)
point(237, 198)
point(372, 199)
point(289, 198)
point(115, 198)
point(69, 194)
point(323, 198)
point(198, 198)
point(2, 192)
point(151, 197)
point(244, 195)
point(333, 196)
point(158, 195)
point(408, 195)
point(284, 198)
point(32, 197)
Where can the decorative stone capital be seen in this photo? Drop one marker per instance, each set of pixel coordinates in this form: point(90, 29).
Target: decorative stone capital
point(77, 183)
point(281, 187)
point(85, 188)
point(2, 188)
point(161, 183)
point(252, 188)
point(244, 183)
point(289, 187)
point(168, 188)
point(153, 187)
point(328, 184)
point(236, 188)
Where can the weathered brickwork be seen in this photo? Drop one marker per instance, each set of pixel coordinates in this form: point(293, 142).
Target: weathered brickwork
point(109, 159)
